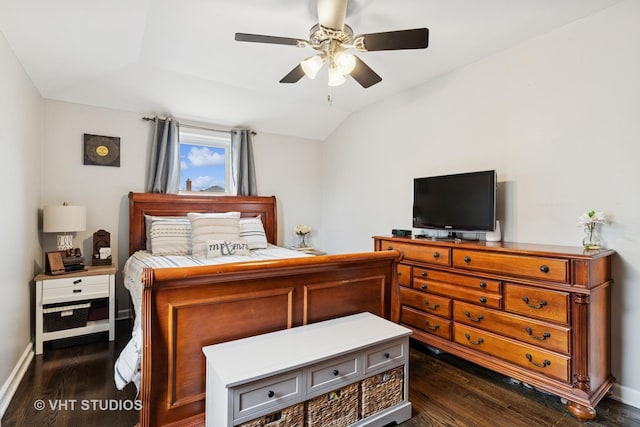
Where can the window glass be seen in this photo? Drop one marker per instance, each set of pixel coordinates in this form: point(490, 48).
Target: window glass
point(204, 160)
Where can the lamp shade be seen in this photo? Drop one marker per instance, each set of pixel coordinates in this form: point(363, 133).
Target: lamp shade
point(64, 218)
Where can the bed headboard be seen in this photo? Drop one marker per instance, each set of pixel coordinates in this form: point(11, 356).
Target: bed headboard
point(157, 204)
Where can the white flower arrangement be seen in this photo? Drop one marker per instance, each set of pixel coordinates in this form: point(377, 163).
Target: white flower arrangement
point(302, 230)
point(590, 219)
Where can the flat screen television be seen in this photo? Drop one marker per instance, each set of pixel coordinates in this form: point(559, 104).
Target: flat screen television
point(464, 202)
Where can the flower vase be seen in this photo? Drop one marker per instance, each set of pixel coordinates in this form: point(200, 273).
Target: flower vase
point(302, 240)
point(592, 238)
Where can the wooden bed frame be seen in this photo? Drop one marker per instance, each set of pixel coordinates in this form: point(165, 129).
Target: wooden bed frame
point(185, 309)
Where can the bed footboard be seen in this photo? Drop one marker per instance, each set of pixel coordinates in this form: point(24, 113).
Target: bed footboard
point(187, 309)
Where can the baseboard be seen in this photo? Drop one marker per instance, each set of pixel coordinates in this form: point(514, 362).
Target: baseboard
point(11, 385)
point(626, 395)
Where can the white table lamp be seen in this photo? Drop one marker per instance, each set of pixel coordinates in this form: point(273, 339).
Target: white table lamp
point(64, 219)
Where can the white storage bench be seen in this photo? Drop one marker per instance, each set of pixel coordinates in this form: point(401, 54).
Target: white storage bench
point(319, 374)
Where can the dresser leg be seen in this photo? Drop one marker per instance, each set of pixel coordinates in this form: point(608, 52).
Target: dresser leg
point(581, 412)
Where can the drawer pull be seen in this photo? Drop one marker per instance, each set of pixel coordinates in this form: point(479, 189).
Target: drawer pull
point(436, 255)
point(544, 268)
point(483, 285)
point(423, 287)
point(483, 300)
point(467, 259)
point(335, 372)
point(424, 274)
point(386, 355)
point(433, 328)
point(75, 282)
point(544, 363)
point(477, 319)
point(536, 307)
point(389, 248)
point(433, 307)
point(468, 337)
point(271, 393)
point(77, 291)
point(544, 336)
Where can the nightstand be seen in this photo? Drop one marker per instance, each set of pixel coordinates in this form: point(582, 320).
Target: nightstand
point(66, 296)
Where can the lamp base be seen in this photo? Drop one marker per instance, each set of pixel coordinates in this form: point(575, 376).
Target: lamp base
point(64, 241)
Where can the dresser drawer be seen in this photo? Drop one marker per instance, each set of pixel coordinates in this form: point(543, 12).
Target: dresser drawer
point(552, 269)
point(67, 282)
point(481, 297)
point(428, 303)
point(404, 275)
point(333, 373)
point(423, 253)
point(74, 293)
point(539, 303)
point(425, 322)
point(386, 356)
point(534, 332)
point(547, 363)
point(267, 393)
point(473, 282)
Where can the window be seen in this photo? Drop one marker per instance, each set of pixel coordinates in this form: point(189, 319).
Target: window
point(204, 160)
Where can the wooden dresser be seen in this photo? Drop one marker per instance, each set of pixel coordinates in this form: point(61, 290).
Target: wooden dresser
point(536, 313)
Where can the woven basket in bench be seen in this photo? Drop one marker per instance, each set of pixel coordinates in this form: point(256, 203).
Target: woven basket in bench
point(382, 391)
point(293, 416)
point(338, 408)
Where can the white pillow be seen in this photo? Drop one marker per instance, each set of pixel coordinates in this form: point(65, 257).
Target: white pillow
point(216, 248)
point(252, 230)
point(168, 235)
point(212, 226)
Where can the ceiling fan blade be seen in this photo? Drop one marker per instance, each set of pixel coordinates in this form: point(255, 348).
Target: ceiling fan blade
point(417, 38)
point(294, 75)
point(258, 38)
point(364, 75)
point(331, 13)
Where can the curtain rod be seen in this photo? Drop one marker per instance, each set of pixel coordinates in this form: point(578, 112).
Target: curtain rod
point(149, 119)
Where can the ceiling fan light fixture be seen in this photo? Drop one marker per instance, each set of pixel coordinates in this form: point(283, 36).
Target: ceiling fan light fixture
point(311, 66)
point(335, 77)
point(345, 63)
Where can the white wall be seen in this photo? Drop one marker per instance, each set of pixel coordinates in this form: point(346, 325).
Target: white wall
point(20, 255)
point(104, 190)
point(557, 117)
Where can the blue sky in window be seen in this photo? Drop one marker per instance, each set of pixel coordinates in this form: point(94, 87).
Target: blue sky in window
point(204, 165)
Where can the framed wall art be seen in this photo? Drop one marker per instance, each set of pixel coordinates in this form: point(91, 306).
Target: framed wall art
point(101, 150)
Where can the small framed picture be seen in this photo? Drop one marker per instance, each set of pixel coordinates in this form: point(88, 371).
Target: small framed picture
point(101, 150)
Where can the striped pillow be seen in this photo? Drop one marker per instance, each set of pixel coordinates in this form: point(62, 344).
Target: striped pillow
point(212, 226)
point(252, 230)
point(168, 235)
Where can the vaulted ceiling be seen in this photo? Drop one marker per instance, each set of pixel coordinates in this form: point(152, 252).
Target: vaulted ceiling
point(179, 57)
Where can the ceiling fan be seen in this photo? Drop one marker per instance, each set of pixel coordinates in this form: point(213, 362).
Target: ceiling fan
point(331, 38)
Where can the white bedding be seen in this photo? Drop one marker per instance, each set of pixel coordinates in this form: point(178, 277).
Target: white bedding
point(127, 367)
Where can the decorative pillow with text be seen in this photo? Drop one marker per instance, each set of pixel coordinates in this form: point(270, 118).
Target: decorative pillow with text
point(218, 248)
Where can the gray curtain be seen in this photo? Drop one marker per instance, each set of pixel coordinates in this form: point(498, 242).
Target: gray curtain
point(163, 167)
point(242, 168)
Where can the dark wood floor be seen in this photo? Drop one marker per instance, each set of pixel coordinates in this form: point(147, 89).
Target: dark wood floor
point(444, 390)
